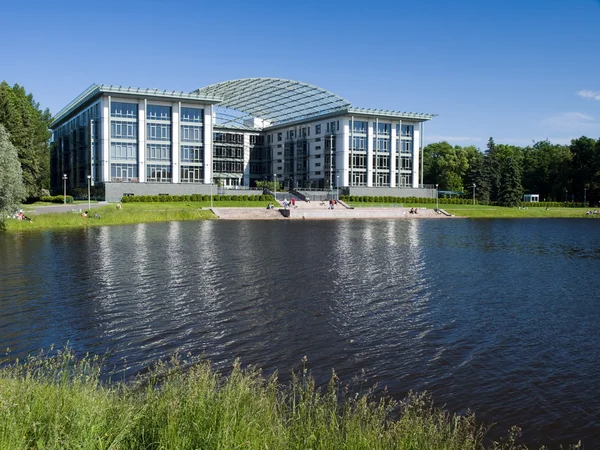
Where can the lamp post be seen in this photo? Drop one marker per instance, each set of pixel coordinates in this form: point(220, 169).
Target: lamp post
point(584, 198)
point(65, 187)
point(437, 195)
point(566, 191)
point(275, 186)
point(337, 187)
point(89, 177)
point(474, 194)
point(211, 184)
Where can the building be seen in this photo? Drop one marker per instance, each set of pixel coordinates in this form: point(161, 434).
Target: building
point(146, 141)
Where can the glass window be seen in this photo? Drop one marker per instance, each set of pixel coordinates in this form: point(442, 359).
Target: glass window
point(158, 173)
point(192, 115)
point(120, 130)
point(158, 152)
point(123, 172)
point(279, 136)
point(118, 109)
point(191, 174)
point(408, 130)
point(191, 133)
point(157, 112)
point(360, 127)
point(318, 129)
point(123, 150)
point(191, 153)
point(158, 132)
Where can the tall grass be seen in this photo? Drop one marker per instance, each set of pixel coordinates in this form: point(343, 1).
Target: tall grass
point(59, 402)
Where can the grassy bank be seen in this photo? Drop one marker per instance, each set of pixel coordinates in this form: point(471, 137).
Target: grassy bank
point(130, 213)
point(494, 212)
point(59, 403)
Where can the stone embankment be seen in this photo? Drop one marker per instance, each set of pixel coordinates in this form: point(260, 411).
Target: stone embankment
point(321, 211)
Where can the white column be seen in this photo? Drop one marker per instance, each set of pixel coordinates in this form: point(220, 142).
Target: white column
point(246, 178)
point(343, 159)
point(416, 156)
point(104, 162)
point(175, 109)
point(142, 141)
point(369, 154)
point(393, 155)
point(208, 143)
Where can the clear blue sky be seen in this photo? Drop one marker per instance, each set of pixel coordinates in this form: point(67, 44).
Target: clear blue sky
point(515, 70)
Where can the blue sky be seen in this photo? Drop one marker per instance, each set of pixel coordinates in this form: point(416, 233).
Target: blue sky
point(515, 70)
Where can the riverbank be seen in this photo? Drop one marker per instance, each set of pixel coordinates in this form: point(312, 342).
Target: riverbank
point(59, 402)
point(132, 213)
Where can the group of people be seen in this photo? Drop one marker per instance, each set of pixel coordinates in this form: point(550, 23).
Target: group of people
point(413, 211)
point(20, 216)
point(291, 203)
point(595, 211)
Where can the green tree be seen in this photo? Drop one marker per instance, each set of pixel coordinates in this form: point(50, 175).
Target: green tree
point(477, 175)
point(492, 170)
point(12, 191)
point(546, 170)
point(27, 126)
point(511, 190)
point(585, 167)
point(445, 165)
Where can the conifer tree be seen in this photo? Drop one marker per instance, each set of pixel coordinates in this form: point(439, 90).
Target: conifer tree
point(511, 189)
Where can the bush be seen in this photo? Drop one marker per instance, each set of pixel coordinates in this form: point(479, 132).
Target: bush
point(56, 198)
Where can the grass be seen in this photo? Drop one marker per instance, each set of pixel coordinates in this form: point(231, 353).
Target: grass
point(493, 212)
point(58, 402)
point(130, 213)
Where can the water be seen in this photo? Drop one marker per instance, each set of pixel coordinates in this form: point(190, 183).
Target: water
point(498, 316)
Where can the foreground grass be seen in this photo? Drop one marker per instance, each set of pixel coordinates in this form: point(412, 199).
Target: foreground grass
point(129, 214)
point(60, 403)
point(493, 212)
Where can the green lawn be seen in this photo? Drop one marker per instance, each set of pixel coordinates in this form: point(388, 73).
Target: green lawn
point(492, 212)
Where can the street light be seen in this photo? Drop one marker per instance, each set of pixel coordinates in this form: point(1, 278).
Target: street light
point(584, 198)
point(89, 177)
point(474, 194)
point(337, 187)
point(65, 187)
point(211, 184)
point(437, 194)
point(566, 191)
point(275, 186)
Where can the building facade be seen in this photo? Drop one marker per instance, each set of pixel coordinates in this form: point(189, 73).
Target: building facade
point(234, 134)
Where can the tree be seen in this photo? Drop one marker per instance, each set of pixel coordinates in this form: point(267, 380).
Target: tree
point(445, 165)
point(511, 190)
point(27, 126)
point(492, 170)
point(12, 191)
point(546, 170)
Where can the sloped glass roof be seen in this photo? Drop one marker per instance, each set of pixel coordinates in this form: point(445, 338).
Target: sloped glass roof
point(275, 100)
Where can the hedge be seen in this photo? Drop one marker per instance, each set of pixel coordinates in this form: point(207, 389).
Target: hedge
point(193, 198)
point(56, 198)
point(450, 201)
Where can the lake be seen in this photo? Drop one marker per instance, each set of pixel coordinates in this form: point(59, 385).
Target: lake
point(498, 316)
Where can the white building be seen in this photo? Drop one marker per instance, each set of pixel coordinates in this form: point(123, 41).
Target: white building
point(146, 141)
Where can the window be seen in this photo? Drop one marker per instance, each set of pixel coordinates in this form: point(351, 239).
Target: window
point(318, 129)
point(191, 115)
point(156, 112)
point(279, 153)
point(360, 127)
point(318, 156)
point(318, 164)
point(158, 132)
point(318, 172)
point(406, 163)
point(381, 144)
point(191, 153)
point(123, 172)
point(317, 147)
point(191, 174)
point(406, 146)
point(123, 130)
point(158, 152)
point(359, 143)
point(279, 136)
point(191, 133)
point(408, 130)
point(127, 110)
point(123, 150)
point(158, 173)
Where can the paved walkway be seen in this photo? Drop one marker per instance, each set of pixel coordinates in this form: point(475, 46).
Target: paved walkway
point(320, 211)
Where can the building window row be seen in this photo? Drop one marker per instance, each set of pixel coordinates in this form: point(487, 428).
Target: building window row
point(158, 112)
point(158, 173)
point(192, 115)
point(123, 150)
point(191, 153)
point(191, 174)
point(191, 133)
point(123, 172)
point(158, 132)
point(158, 152)
point(123, 130)
point(126, 110)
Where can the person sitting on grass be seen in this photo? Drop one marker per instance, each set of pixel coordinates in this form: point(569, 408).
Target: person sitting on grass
point(84, 214)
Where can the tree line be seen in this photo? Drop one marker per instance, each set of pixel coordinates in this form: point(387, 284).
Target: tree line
point(24, 148)
point(503, 173)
